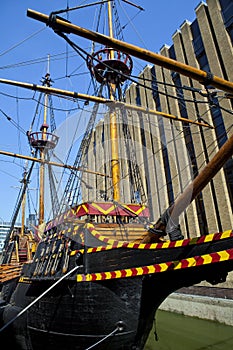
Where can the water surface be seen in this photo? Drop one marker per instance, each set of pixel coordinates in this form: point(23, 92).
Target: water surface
point(179, 332)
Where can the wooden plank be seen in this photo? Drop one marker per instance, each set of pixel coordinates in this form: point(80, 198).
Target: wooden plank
point(9, 271)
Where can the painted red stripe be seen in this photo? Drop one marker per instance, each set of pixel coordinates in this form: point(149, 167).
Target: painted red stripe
point(134, 271)
point(145, 270)
point(147, 246)
point(184, 264)
point(103, 275)
point(215, 257)
point(113, 274)
point(123, 273)
point(136, 245)
point(217, 236)
point(172, 244)
point(93, 275)
point(199, 260)
point(230, 252)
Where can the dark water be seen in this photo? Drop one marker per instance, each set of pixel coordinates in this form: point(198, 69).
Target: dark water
point(178, 332)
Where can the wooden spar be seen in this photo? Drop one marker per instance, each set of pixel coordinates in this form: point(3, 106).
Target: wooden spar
point(203, 178)
point(54, 91)
point(165, 115)
point(195, 187)
point(203, 77)
point(110, 103)
point(66, 166)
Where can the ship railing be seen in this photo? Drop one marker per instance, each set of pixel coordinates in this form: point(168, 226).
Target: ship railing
point(41, 139)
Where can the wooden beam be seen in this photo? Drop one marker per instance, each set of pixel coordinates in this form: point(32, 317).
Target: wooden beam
point(205, 78)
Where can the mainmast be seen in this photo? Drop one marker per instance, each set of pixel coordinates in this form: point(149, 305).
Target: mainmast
point(111, 67)
point(113, 123)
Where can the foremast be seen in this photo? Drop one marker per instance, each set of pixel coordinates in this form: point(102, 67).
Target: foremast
point(43, 141)
point(44, 128)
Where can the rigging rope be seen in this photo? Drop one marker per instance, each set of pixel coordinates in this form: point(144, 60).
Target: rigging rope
point(53, 191)
point(38, 298)
point(131, 22)
point(117, 329)
point(79, 7)
point(13, 122)
point(17, 208)
point(72, 184)
point(21, 42)
point(132, 162)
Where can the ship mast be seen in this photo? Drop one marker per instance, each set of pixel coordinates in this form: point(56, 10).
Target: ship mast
point(43, 129)
point(113, 122)
point(43, 141)
point(111, 67)
point(24, 181)
point(42, 156)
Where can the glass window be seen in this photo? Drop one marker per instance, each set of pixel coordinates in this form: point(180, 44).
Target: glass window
point(227, 13)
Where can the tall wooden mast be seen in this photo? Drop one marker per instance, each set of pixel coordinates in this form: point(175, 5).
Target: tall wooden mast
point(113, 123)
point(43, 141)
point(107, 66)
point(23, 208)
point(42, 156)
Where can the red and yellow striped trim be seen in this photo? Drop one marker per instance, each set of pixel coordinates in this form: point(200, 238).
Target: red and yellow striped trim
point(156, 268)
point(113, 244)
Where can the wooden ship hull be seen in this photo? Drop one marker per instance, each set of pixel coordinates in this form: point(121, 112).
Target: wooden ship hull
point(108, 289)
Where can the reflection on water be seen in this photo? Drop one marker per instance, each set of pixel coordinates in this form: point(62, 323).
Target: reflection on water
point(178, 332)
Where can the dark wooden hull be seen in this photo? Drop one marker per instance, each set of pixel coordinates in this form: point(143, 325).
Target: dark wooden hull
point(77, 314)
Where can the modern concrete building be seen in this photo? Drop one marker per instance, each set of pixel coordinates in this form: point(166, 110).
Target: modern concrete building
point(4, 229)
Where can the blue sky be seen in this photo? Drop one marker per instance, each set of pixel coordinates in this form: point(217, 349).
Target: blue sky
point(25, 45)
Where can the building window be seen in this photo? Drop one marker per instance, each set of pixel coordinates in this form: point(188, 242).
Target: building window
point(155, 91)
point(138, 97)
point(170, 192)
point(227, 13)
